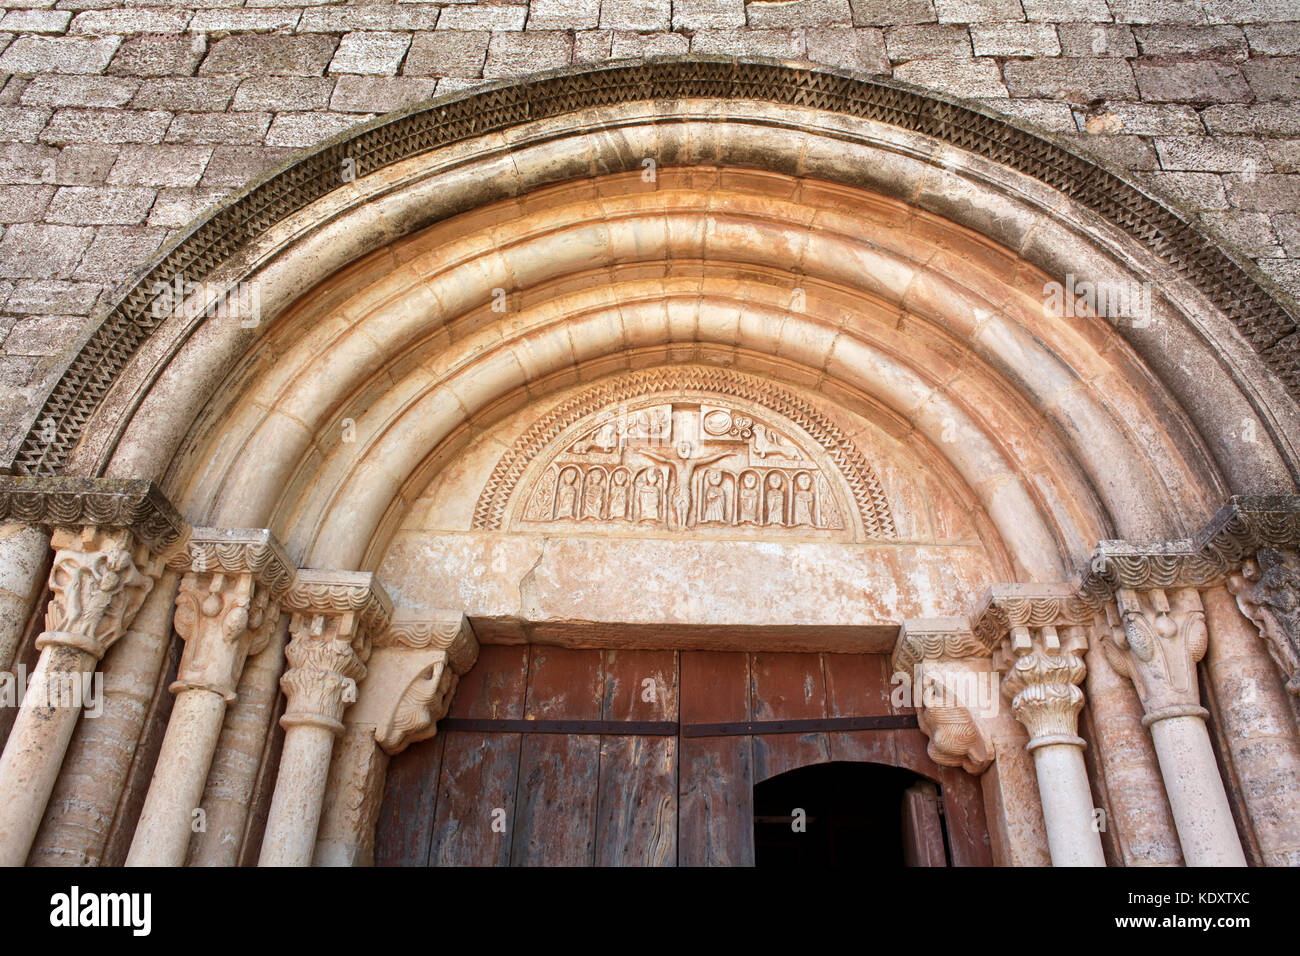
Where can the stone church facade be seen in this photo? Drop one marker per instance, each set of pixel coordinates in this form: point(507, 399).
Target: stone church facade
point(547, 433)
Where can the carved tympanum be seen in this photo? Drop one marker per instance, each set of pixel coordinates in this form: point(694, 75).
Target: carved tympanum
point(704, 451)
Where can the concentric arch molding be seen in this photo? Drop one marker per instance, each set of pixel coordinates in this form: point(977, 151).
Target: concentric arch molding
point(540, 440)
point(1225, 278)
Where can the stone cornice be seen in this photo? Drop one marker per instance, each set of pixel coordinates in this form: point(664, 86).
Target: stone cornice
point(934, 639)
point(253, 551)
point(1007, 606)
point(316, 591)
point(63, 502)
point(450, 633)
point(1241, 527)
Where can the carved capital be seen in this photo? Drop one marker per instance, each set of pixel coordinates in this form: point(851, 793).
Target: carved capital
point(1156, 643)
point(1036, 635)
point(334, 614)
point(1268, 592)
point(950, 681)
point(227, 605)
point(413, 674)
point(98, 581)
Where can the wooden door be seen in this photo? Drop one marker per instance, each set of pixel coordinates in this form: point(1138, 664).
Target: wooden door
point(555, 756)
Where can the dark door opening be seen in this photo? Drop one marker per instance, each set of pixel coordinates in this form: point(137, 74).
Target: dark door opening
point(847, 814)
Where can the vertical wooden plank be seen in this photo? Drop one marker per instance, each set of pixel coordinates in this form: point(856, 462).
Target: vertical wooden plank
point(963, 810)
point(406, 814)
point(787, 687)
point(555, 812)
point(922, 831)
point(715, 775)
point(857, 685)
point(636, 809)
point(475, 804)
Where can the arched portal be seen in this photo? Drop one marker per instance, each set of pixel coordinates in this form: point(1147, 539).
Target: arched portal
point(681, 357)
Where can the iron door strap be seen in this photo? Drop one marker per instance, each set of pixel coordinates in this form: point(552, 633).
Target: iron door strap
point(670, 728)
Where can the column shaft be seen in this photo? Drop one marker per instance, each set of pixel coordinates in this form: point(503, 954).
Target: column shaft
point(162, 836)
point(1067, 806)
point(299, 793)
point(34, 753)
point(1196, 794)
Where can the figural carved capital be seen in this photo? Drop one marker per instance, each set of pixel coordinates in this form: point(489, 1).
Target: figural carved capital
point(334, 615)
point(413, 672)
point(227, 605)
point(947, 676)
point(1156, 642)
point(98, 581)
point(1037, 638)
point(1268, 592)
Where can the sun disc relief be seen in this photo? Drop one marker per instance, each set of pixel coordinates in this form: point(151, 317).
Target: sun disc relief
point(687, 461)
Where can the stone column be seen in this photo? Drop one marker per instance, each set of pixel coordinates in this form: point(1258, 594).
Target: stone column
point(334, 615)
point(1257, 726)
point(1038, 639)
point(958, 702)
point(1156, 641)
point(99, 579)
point(411, 676)
point(24, 550)
point(226, 609)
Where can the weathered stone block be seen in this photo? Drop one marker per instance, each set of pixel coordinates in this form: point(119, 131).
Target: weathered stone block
point(869, 13)
point(150, 20)
point(1015, 39)
point(43, 334)
point(244, 21)
point(635, 14)
point(97, 205)
point(1275, 78)
point(190, 93)
point(284, 93)
point(563, 14)
point(232, 166)
point(53, 297)
point(35, 21)
point(1266, 192)
point(589, 46)
point(406, 16)
point(24, 203)
point(308, 129)
point(379, 94)
point(707, 14)
point(175, 208)
point(22, 123)
point(148, 55)
point(978, 11)
point(373, 54)
point(1198, 81)
point(1051, 115)
point(1227, 41)
point(1251, 231)
point(1157, 11)
point(1195, 190)
point(305, 55)
point(73, 125)
point(782, 44)
point(447, 54)
point(484, 16)
point(1067, 11)
point(974, 78)
point(780, 14)
point(1261, 119)
point(218, 127)
point(647, 44)
point(848, 48)
point(117, 252)
point(513, 54)
point(927, 40)
point(1096, 39)
point(1077, 80)
point(27, 163)
point(160, 166)
point(1274, 39)
point(1212, 155)
point(1143, 119)
point(55, 90)
point(38, 249)
point(58, 54)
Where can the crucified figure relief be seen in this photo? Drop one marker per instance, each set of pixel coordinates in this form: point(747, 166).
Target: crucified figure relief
point(683, 466)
